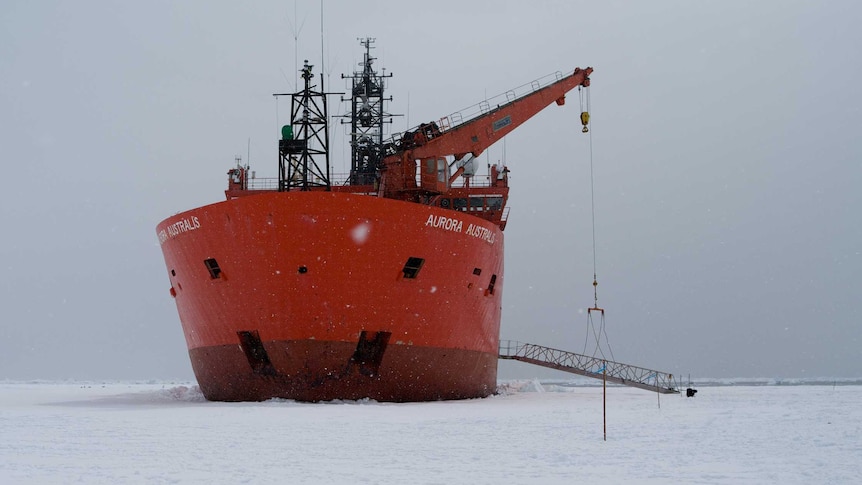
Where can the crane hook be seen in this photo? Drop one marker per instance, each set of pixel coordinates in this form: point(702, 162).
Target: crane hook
point(585, 118)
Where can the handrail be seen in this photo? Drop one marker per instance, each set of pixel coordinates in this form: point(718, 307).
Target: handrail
point(465, 115)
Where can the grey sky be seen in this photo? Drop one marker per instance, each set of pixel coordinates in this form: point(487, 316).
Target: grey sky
point(725, 148)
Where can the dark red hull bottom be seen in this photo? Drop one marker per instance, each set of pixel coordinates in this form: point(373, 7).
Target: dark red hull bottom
point(326, 371)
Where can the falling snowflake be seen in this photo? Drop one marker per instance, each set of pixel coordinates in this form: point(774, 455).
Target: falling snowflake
point(360, 233)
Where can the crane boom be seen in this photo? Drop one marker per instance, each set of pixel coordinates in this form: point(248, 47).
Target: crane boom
point(429, 144)
point(479, 133)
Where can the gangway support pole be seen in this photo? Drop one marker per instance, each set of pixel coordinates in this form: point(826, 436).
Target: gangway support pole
point(605, 399)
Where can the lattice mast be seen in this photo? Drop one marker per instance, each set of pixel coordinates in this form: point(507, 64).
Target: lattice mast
point(304, 147)
point(367, 117)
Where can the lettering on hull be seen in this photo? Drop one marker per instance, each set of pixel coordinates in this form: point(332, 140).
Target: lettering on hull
point(456, 225)
point(181, 226)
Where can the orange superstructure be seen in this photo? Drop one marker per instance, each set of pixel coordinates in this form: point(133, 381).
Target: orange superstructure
point(388, 286)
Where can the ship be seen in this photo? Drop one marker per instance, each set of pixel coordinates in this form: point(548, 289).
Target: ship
point(384, 285)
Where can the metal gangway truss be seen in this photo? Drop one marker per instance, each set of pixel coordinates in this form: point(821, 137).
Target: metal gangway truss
point(595, 367)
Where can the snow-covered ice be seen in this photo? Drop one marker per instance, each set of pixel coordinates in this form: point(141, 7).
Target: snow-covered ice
point(532, 432)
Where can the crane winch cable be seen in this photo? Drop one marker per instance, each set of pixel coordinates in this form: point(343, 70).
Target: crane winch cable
point(584, 94)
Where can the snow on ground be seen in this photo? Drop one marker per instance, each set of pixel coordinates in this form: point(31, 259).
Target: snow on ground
point(533, 432)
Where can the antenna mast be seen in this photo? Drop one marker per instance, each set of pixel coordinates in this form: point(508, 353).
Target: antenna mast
point(367, 117)
point(304, 145)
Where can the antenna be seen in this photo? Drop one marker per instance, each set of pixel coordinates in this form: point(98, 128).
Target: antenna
point(296, 31)
point(322, 70)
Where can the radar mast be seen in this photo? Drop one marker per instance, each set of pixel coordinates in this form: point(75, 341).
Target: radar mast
point(367, 116)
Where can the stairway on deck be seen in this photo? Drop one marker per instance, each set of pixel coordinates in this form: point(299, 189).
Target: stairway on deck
point(628, 375)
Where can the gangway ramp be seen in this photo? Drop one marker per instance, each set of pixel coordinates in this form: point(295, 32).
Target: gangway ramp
point(584, 365)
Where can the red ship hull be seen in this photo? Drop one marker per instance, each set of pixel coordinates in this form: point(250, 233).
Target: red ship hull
point(318, 296)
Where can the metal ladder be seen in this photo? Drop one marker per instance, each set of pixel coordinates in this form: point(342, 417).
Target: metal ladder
point(584, 365)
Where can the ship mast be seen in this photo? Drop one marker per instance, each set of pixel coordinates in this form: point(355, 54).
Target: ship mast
point(304, 145)
point(367, 116)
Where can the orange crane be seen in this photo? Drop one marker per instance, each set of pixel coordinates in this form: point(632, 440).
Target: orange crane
point(429, 144)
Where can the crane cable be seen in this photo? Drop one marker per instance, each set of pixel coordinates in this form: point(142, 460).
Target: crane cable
point(585, 119)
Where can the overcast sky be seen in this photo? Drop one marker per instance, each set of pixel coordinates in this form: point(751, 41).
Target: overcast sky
point(726, 157)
